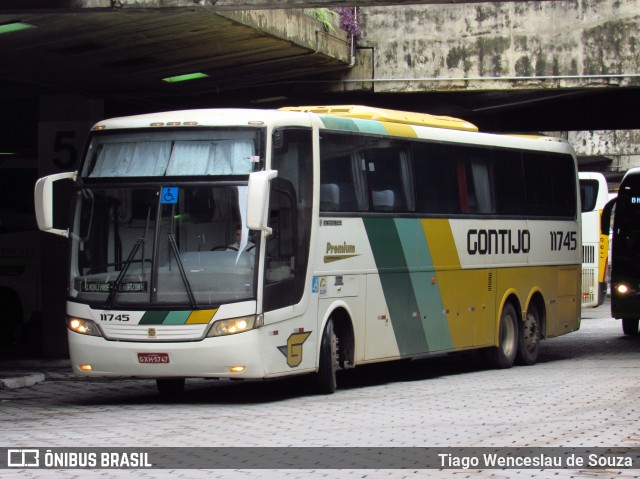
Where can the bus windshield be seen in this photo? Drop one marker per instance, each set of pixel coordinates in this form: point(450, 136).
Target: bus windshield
point(173, 245)
point(221, 151)
point(157, 214)
point(627, 227)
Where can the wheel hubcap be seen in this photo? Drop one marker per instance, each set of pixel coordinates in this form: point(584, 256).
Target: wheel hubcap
point(508, 338)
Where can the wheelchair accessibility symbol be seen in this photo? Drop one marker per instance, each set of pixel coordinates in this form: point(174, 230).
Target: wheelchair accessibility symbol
point(169, 195)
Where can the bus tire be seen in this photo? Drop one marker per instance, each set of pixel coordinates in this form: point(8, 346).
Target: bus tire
point(328, 364)
point(504, 355)
point(630, 326)
point(529, 337)
point(170, 387)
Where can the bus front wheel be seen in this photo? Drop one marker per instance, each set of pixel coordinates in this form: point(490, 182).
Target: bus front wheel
point(504, 355)
point(326, 375)
point(630, 326)
point(529, 337)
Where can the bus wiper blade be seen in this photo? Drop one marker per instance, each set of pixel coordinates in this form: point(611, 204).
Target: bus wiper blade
point(113, 290)
point(183, 275)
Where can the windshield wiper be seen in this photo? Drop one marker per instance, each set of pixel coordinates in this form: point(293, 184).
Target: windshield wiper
point(113, 289)
point(183, 275)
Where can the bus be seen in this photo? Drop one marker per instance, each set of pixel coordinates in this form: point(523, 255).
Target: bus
point(20, 261)
point(594, 194)
point(366, 235)
point(625, 251)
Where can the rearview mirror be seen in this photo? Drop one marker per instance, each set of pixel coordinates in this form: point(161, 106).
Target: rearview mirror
point(258, 200)
point(605, 219)
point(44, 204)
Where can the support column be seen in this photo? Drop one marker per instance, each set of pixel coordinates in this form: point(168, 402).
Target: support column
point(65, 121)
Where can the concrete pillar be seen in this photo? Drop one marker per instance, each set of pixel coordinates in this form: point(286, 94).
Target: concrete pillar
point(63, 129)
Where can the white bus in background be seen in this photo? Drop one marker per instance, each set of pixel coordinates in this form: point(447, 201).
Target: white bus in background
point(594, 194)
point(20, 274)
point(367, 235)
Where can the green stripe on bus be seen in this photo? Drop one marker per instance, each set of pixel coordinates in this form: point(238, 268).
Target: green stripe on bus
point(354, 124)
point(177, 317)
point(396, 285)
point(337, 123)
point(153, 317)
point(426, 290)
point(369, 126)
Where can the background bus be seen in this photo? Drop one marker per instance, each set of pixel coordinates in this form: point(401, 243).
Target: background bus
point(594, 194)
point(625, 251)
point(376, 235)
point(20, 274)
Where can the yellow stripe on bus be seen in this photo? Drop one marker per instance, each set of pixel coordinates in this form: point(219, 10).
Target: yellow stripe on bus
point(201, 317)
point(441, 243)
point(397, 129)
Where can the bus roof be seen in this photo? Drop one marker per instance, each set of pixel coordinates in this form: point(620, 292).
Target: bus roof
point(390, 116)
point(364, 119)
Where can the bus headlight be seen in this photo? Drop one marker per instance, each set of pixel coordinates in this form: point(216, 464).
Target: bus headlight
point(622, 288)
point(83, 326)
point(225, 327)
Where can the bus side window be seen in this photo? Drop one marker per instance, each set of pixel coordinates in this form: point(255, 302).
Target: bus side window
point(390, 177)
point(280, 245)
point(539, 187)
point(482, 186)
point(547, 176)
point(290, 218)
point(343, 181)
point(329, 197)
point(509, 182)
point(563, 174)
point(588, 195)
point(436, 179)
point(475, 180)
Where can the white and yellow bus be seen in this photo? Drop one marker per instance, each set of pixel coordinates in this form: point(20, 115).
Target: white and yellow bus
point(367, 235)
point(594, 194)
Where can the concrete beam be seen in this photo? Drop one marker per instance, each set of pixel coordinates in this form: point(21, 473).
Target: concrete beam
point(80, 6)
point(503, 46)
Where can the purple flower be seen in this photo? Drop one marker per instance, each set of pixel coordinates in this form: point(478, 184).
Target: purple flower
point(348, 20)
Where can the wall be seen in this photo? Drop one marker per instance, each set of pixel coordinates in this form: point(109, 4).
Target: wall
point(503, 45)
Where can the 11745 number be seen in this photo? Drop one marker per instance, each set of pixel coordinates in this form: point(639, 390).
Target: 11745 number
point(114, 317)
point(566, 240)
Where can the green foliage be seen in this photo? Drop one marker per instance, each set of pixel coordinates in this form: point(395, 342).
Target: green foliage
point(325, 16)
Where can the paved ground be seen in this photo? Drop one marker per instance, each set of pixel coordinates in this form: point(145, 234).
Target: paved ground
point(583, 392)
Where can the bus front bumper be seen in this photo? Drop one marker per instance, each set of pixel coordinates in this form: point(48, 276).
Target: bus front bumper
point(236, 356)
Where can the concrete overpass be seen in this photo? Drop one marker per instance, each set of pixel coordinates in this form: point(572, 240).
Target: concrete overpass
point(507, 66)
point(518, 66)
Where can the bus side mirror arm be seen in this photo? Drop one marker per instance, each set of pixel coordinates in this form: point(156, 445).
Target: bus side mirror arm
point(258, 200)
point(605, 219)
point(43, 196)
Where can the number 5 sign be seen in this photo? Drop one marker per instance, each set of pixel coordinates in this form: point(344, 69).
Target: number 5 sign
point(60, 145)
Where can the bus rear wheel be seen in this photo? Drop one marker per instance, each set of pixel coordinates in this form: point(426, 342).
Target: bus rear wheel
point(170, 387)
point(529, 337)
point(326, 376)
point(630, 326)
point(504, 355)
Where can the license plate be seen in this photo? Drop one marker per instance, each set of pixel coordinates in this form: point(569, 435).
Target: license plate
point(153, 358)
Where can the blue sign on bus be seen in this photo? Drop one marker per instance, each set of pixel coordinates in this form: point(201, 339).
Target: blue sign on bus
point(169, 195)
